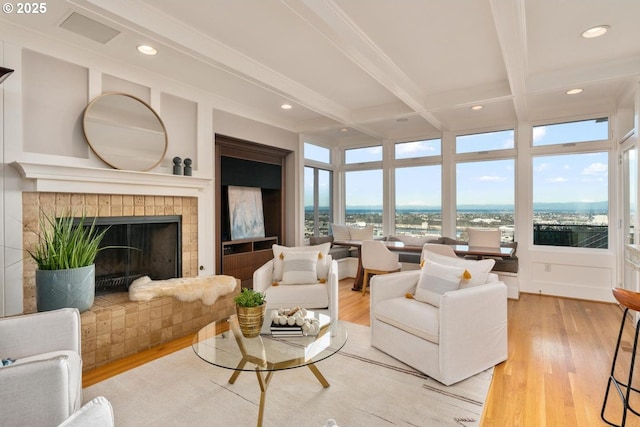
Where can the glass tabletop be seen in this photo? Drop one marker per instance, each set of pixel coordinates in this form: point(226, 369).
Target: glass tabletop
point(266, 352)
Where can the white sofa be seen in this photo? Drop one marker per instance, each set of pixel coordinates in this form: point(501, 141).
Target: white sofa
point(467, 334)
point(315, 296)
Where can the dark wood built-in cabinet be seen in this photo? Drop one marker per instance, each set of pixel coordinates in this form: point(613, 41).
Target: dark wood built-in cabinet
point(247, 164)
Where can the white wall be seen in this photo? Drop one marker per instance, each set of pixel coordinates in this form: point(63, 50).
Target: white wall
point(41, 125)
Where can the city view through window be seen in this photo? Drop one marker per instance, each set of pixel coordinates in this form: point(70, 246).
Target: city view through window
point(569, 199)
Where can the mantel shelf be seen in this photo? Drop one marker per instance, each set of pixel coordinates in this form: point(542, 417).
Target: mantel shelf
point(46, 176)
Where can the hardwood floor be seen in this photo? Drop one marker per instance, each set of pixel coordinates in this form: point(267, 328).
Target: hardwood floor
point(560, 352)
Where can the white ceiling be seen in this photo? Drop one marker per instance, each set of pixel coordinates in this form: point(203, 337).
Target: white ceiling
point(364, 64)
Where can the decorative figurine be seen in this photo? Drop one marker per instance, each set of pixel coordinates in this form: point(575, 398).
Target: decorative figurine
point(187, 166)
point(177, 168)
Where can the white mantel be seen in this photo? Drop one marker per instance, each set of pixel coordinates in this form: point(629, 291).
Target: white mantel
point(36, 176)
point(57, 178)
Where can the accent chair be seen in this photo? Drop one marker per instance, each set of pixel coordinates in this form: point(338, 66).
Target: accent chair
point(43, 386)
point(377, 259)
point(447, 320)
point(302, 276)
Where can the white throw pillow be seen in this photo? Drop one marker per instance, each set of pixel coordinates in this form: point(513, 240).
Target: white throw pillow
point(479, 269)
point(340, 233)
point(322, 269)
point(299, 268)
point(435, 280)
point(361, 233)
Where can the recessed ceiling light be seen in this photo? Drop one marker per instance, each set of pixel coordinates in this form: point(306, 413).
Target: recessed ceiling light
point(574, 91)
point(596, 31)
point(147, 50)
point(286, 106)
point(344, 130)
point(477, 107)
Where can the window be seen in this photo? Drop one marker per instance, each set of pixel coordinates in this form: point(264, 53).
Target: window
point(363, 199)
point(317, 153)
point(570, 200)
point(317, 192)
point(317, 201)
point(490, 141)
point(486, 197)
point(418, 200)
point(571, 132)
point(363, 155)
point(412, 150)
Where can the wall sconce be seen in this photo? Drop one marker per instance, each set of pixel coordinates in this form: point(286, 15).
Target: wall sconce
point(4, 73)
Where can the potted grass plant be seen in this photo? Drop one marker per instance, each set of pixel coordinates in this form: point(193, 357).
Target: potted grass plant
point(65, 255)
point(250, 308)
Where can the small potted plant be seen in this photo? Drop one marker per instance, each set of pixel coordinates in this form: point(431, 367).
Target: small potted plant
point(250, 308)
point(65, 254)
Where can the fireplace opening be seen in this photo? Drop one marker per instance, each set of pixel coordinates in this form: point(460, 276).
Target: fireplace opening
point(136, 246)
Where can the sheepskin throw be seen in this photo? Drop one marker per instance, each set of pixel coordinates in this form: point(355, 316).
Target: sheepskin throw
point(206, 288)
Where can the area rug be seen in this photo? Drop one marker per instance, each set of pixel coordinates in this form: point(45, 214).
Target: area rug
point(368, 388)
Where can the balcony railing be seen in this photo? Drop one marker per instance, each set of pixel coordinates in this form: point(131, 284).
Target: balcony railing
point(573, 235)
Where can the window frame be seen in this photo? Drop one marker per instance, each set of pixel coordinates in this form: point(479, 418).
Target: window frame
point(365, 163)
point(491, 153)
point(416, 158)
point(316, 166)
point(584, 147)
point(570, 144)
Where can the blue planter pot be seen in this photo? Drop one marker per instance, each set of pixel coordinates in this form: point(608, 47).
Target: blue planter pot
point(73, 288)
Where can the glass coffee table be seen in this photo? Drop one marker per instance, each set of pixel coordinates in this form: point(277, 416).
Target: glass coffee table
point(223, 345)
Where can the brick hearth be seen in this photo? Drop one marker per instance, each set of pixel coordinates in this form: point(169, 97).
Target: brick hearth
point(116, 327)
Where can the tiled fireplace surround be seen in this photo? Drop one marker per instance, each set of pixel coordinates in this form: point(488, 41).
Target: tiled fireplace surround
point(116, 327)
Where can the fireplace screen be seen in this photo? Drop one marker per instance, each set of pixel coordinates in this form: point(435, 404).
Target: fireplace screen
point(137, 246)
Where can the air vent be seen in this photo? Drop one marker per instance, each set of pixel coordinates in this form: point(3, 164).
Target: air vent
point(89, 28)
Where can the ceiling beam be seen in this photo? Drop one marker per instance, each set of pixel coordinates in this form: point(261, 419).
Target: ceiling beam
point(511, 28)
point(332, 22)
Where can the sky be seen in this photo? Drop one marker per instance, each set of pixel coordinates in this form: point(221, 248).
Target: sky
point(556, 178)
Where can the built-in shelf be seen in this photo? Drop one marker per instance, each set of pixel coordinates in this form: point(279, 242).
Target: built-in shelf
point(240, 258)
point(46, 177)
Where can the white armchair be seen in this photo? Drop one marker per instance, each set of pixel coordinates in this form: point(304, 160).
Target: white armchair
point(43, 387)
point(320, 295)
point(465, 335)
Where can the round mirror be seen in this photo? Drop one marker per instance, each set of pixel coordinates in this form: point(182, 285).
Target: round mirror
point(125, 132)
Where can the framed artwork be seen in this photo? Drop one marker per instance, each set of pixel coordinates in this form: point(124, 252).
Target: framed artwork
point(245, 212)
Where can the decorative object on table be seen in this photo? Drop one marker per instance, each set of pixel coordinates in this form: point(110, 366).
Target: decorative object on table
point(245, 212)
point(293, 322)
point(177, 167)
point(250, 308)
point(65, 255)
point(187, 167)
